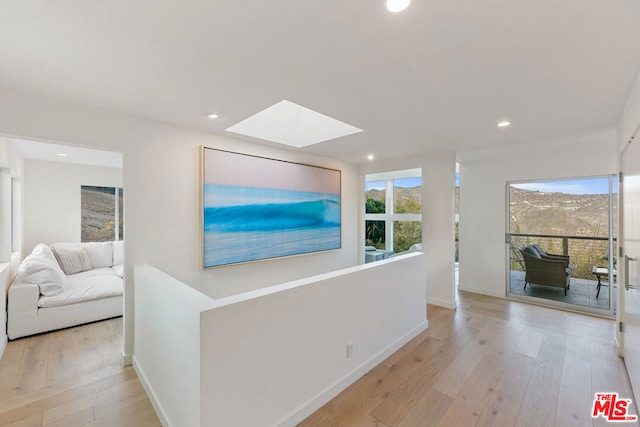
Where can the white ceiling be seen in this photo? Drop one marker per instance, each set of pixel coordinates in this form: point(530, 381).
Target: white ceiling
point(67, 154)
point(439, 75)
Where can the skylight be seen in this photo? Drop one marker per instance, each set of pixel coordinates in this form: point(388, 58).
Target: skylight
point(288, 123)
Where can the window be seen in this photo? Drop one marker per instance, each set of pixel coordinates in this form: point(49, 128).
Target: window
point(15, 214)
point(393, 210)
point(102, 209)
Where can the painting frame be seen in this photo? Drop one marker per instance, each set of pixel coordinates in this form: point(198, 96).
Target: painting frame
point(256, 208)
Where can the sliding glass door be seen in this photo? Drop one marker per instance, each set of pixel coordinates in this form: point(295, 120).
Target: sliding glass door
point(560, 240)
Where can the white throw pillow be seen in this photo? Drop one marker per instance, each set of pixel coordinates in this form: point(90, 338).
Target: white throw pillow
point(72, 260)
point(100, 253)
point(40, 270)
point(118, 252)
point(44, 250)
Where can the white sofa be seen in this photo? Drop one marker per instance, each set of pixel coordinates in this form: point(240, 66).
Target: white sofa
point(65, 284)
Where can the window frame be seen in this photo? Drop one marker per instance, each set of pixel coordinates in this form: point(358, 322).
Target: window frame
point(117, 193)
point(390, 217)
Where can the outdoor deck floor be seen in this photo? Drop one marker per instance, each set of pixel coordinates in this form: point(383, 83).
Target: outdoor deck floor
point(581, 292)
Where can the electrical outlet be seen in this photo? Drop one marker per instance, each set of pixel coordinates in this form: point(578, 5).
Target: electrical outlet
point(350, 345)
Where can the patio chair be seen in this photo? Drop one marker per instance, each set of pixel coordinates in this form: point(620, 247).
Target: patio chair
point(517, 256)
point(548, 270)
point(547, 255)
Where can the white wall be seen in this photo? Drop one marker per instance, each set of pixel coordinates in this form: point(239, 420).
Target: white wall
point(438, 226)
point(52, 210)
point(272, 356)
point(483, 175)
point(630, 118)
point(11, 167)
point(627, 125)
point(162, 184)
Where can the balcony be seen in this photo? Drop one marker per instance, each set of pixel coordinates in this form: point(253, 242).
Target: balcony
point(585, 252)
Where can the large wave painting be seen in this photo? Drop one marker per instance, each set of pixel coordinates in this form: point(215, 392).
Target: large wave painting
point(248, 223)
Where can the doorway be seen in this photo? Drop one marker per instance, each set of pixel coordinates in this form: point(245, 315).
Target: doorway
point(560, 238)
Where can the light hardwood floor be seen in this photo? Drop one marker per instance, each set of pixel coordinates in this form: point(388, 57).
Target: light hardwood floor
point(490, 363)
point(72, 377)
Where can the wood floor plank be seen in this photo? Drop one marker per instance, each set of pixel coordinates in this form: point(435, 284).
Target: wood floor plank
point(540, 401)
point(109, 342)
point(469, 403)
point(574, 399)
point(605, 374)
point(126, 415)
point(40, 383)
point(399, 402)
point(530, 341)
point(62, 363)
point(45, 398)
point(33, 366)
point(407, 348)
point(407, 365)
point(87, 353)
point(505, 343)
point(118, 393)
point(428, 410)
point(130, 392)
point(10, 368)
point(30, 399)
point(34, 420)
point(355, 404)
point(504, 404)
point(451, 381)
point(579, 348)
point(78, 419)
point(370, 421)
point(11, 359)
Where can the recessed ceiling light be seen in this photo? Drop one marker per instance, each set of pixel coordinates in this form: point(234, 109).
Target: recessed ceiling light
point(370, 157)
point(397, 5)
point(61, 154)
point(212, 115)
point(504, 124)
point(288, 123)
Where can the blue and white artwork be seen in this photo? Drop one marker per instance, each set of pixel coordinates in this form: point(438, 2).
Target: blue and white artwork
point(257, 208)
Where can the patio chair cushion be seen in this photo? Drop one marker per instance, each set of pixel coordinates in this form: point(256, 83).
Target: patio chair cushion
point(531, 251)
point(544, 254)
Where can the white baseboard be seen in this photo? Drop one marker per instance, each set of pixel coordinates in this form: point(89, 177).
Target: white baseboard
point(162, 416)
point(313, 404)
point(481, 291)
point(3, 345)
point(619, 348)
point(127, 359)
point(332, 391)
point(442, 303)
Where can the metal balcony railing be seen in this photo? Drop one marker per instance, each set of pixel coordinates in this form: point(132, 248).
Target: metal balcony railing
point(585, 252)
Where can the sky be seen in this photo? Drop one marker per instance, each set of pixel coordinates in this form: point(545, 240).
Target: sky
point(404, 182)
point(578, 186)
point(574, 186)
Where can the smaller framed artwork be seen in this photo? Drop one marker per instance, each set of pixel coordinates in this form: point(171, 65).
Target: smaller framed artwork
point(256, 208)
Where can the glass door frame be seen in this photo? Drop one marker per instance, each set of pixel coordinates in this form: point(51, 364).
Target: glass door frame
point(608, 313)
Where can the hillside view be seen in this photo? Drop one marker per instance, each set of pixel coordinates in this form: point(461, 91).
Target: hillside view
point(535, 212)
point(531, 212)
point(405, 233)
point(584, 218)
point(98, 212)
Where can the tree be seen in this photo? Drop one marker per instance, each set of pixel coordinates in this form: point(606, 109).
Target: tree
point(374, 206)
